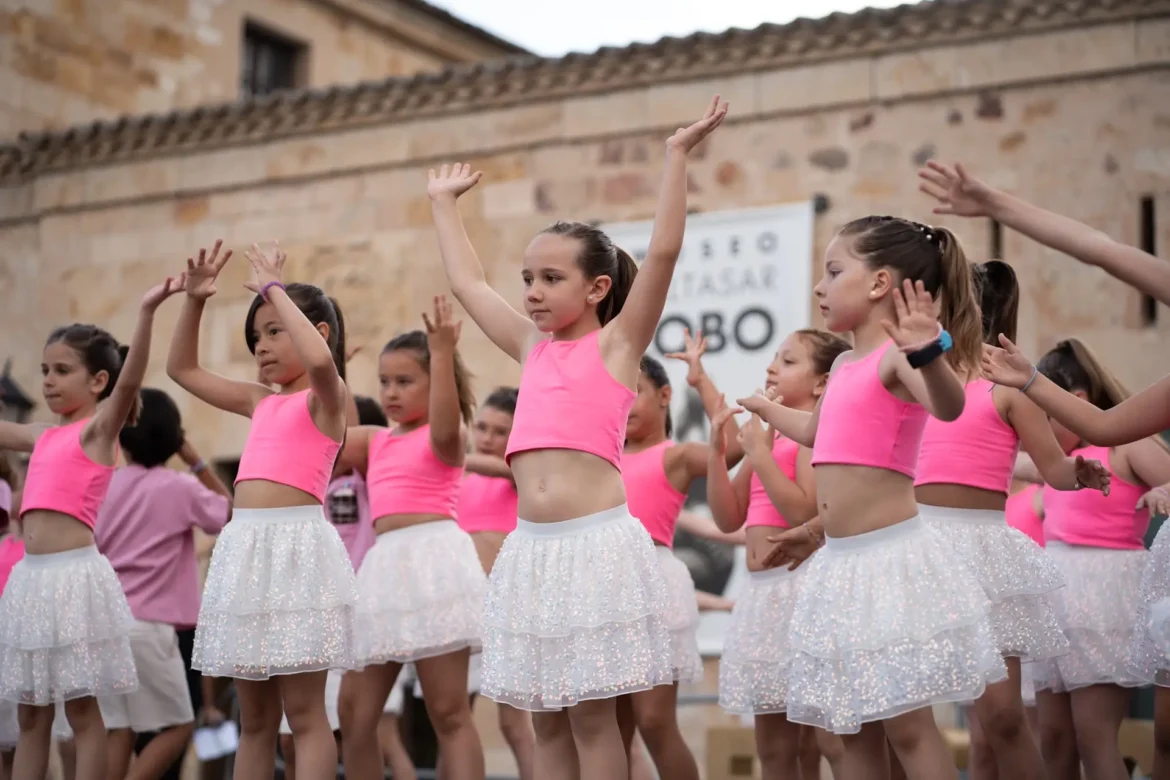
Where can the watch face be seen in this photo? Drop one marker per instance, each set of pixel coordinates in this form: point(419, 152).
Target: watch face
point(343, 505)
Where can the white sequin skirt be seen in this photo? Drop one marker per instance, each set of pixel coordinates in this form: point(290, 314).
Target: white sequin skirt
point(64, 629)
point(753, 670)
point(420, 594)
point(279, 597)
point(682, 617)
point(576, 610)
point(1159, 625)
point(1016, 575)
point(1097, 610)
point(1149, 656)
point(887, 622)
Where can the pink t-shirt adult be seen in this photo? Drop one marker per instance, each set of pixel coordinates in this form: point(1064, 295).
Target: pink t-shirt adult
point(144, 529)
point(11, 551)
point(347, 506)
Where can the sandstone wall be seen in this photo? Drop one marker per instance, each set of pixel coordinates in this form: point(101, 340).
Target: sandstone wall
point(1078, 120)
point(64, 62)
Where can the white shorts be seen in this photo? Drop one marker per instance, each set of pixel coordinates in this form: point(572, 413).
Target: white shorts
point(163, 699)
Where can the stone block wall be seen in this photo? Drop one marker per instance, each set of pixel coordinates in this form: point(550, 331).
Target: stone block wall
point(350, 207)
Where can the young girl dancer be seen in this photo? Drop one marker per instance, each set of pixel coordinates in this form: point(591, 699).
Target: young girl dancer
point(888, 620)
point(657, 475)
point(277, 608)
point(420, 588)
point(1098, 542)
point(964, 474)
point(774, 489)
point(575, 612)
point(64, 621)
point(487, 511)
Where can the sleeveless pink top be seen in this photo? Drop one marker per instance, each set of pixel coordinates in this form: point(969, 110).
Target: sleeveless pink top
point(404, 476)
point(1022, 516)
point(977, 450)
point(649, 494)
point(1090, 519)
point(761, 510)
point(569, 401)
point(62, 478)
point(486, 504)
point(286, 447)
point(864, 424)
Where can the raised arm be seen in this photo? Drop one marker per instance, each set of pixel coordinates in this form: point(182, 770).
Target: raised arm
point(728, 500)
point(20, 438)
point(793, 424)
point(308, 342)
point(712, 400)
point(445, 415)
point(508, 329)
point(639, 317)
point(1054, 467)
point(114, 411)
point(1139, 416)
point(183, 360)
point(959, 193)
point(355, 451)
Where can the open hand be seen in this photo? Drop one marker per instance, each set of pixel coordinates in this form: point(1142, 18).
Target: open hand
point(956, 192)
point(443, 330)
point(1091, 474)
point(687, 138)
point(160, 292)
point(451, 180)
point(692, 355)
point(1157, 501)
point(202, 272)
point(917, 324)
point(267, 266)
point(1007, 366)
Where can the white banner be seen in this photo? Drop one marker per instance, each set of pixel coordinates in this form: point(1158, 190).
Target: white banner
point(744, 280)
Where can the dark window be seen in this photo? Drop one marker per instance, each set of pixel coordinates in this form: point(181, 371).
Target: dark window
point(1149, 237)
point(270, 62)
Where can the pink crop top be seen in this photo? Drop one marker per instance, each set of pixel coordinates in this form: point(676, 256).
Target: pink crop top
point(1021, 514)
point(649, 494)
point(569, 401)
point(405, 477)
point(62, 478)
point(1090, 519)
point(863, 424)
point(761, 510)
point(977, 450)
point(486, 504)
point(285, 446)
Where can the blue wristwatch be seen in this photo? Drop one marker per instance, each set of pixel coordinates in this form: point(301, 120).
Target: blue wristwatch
point(931, 352)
